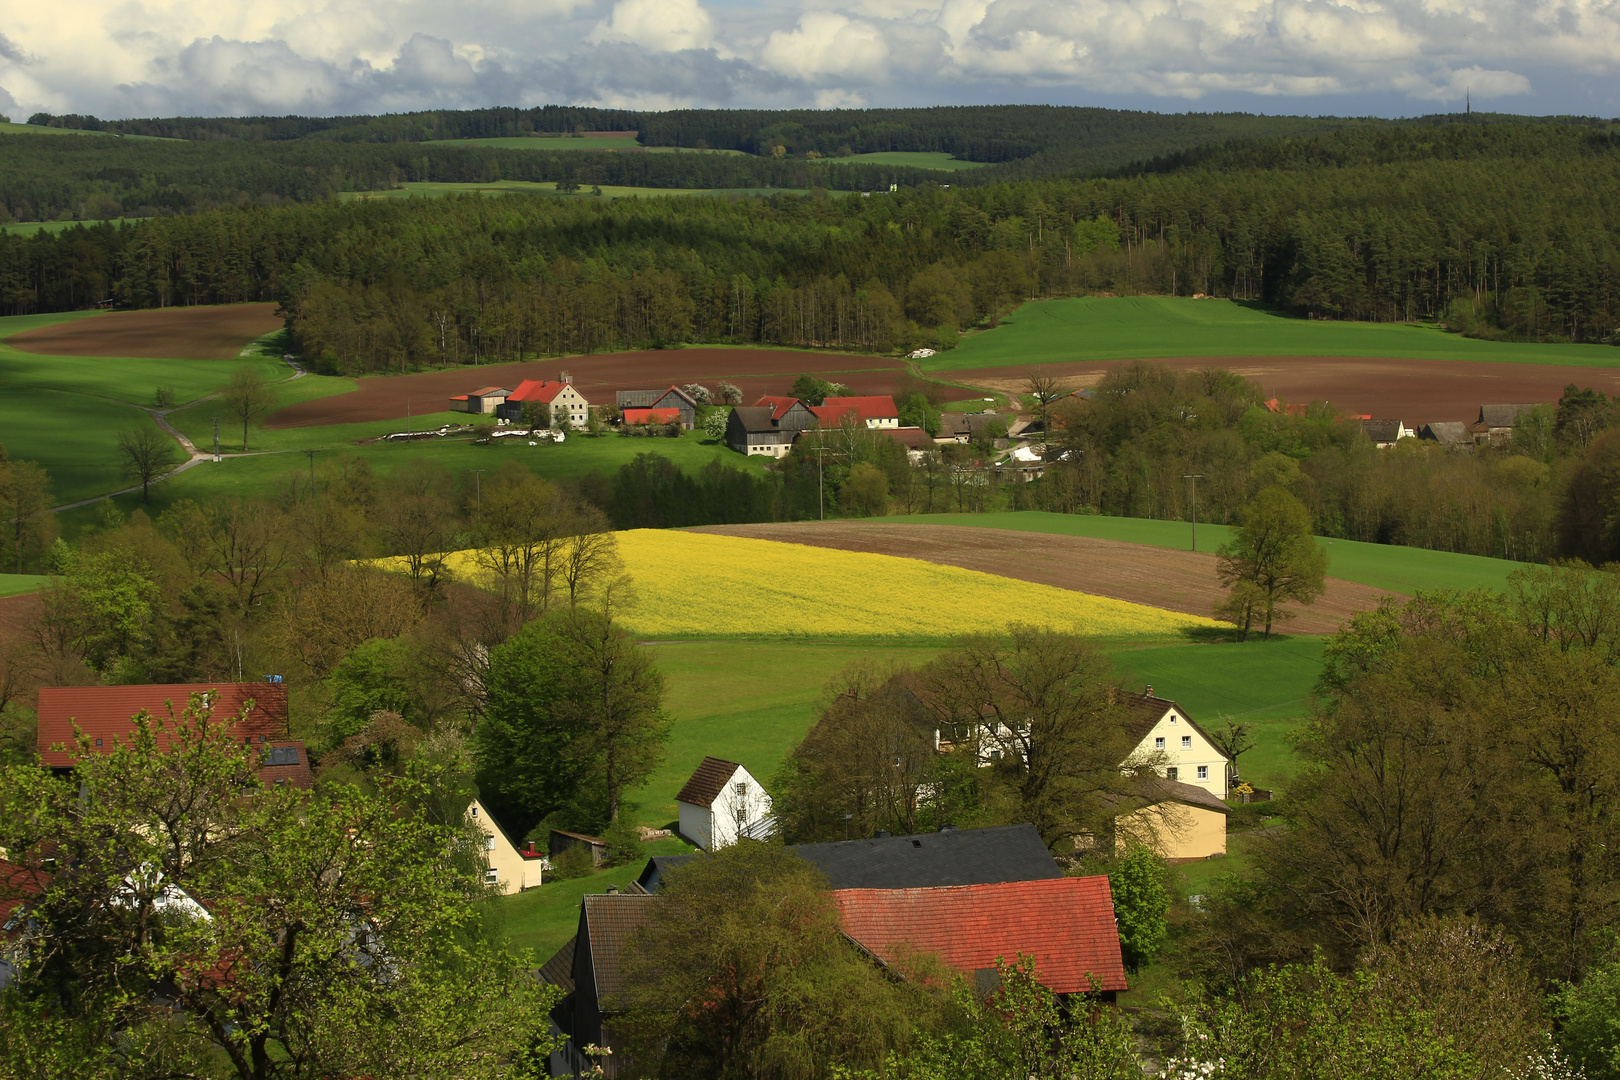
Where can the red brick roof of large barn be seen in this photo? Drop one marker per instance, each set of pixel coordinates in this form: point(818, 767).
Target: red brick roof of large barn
point(831, 416)
point(1066, 924)
point(537, 390)
point(106, 713)
point(708, 782)
point(873, 407)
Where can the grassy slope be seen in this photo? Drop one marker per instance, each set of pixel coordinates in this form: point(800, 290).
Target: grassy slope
point(31, 227)
point(1383, 566)
point(1129, 328)
point(915, 159)
point(17, 584)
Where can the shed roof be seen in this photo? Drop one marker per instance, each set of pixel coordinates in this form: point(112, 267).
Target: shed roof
point(1383, 431)
point(686, 399)
point(609, 920)
point(1501, 416)
point(489, 391)
point(707, 782)
point(106, 713)
point(559, 970)
point(1446, 431)
point(1066, 924)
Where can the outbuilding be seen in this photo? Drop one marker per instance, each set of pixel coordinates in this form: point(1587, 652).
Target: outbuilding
point(723, 803)
point(480, 402)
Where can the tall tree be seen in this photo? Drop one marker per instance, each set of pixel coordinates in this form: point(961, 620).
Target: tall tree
point(147, 452)
point(1272, 559)
point(248, 398)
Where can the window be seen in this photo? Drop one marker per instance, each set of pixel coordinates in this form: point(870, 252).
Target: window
point(1203, 772)
point(1158, 744)
point(489, 843)
point(492, 877)
point(1172, 773)
point(1186, 742)
point(1172, 718)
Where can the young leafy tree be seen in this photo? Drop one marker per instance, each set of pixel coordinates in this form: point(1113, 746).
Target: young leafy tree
point(248, 397)
point(147, 452)
point(1141, 903)
point(1272, 558)
point(186, 921)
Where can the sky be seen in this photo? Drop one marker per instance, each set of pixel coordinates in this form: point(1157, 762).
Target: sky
point(124, 58)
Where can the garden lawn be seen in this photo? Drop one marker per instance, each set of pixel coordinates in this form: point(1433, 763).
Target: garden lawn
point(1158, 327)
point(542, 920)
point(1383, 566)
point(18, 584)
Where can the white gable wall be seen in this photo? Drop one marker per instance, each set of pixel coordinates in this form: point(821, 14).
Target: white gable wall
point(742, 803)
point(1173, 727)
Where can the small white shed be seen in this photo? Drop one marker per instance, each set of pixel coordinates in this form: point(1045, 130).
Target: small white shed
point(722, 802)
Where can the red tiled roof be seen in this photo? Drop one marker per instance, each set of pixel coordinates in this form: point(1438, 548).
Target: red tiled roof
point(460, 397)
point(536, 390)
point(486, 391)
point(105, 713)
point(651, 416)
point(708, 782)
point(867, 408)
point(286, 763)
point(778, 405)
point(830, 416)
point(1066, 924)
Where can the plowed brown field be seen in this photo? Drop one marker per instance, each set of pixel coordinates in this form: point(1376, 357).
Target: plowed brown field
point(1416, 391)
point(1159, 577)
point(756, 371)
point(195, 333)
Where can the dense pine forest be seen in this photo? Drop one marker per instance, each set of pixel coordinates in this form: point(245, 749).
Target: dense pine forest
point(1498, 230)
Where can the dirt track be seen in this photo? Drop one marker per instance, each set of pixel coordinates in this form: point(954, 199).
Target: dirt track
point(1174, 580)
point(1416, 391)
point(756, 371)
point(197, 333)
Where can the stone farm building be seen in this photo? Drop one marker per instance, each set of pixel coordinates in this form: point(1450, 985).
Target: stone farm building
point(480, 402)
point(561, 405)
point(255, 713)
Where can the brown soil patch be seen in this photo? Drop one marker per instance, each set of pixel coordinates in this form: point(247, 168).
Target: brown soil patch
point(1181, 581)
point(18, 612)
point(195, 333)
point(756, 371)
point(1416, 391)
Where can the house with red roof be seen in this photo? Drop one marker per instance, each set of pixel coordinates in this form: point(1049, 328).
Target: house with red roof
point(559, 402)
point(876, 411)
point(1066, 924)
point(480, 402)
point(256, 713)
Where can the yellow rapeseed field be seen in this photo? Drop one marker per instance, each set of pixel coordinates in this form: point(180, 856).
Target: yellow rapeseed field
point(699, 584)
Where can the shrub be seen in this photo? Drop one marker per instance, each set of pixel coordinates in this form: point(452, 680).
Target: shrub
point(574, 861)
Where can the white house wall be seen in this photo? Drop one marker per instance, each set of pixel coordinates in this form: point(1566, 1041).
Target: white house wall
point(695, 825)
point(751, 802)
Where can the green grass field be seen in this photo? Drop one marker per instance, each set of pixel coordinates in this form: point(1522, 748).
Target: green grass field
point(1383, 566)
point(37, 129)
point(915, 159)
point(17, 584)
point(1157, 327)
point(588, 142)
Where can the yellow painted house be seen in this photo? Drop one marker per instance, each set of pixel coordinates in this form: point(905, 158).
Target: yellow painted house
point(1181, 822)
point(1174, 744)
point(508, 868)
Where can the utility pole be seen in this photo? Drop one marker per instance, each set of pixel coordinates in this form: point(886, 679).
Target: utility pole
point(311, 454)
point(216, 438)
point(821, 473)
point(1194, 478)
point(478, 486)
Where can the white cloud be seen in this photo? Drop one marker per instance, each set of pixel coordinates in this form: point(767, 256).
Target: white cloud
point(161, 57)
point(658, 25)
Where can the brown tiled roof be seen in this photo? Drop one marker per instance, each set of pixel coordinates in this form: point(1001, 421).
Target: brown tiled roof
point(707, 783)
point(1143, 712)
point(559, 970)
point(106, 712)
point(914, 437)
point(611, 919)
point(1500, 416)
point(1157, 789)
point(286, 763)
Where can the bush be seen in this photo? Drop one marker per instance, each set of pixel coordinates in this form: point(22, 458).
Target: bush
point(1589, 1022)
point(1140, 903)
point(623, 842)
point(574, 861)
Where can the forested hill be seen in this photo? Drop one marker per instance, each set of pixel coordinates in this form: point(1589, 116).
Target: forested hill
point(1498, 230)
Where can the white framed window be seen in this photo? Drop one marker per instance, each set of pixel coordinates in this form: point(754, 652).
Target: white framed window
point(1172, 773)
point(1158, 744)
point(492, 877)
point(1186, 742)
point(489, 843)
point(1203, 772)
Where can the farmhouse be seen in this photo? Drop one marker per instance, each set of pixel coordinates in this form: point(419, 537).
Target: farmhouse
point(560, 404)
point(1386, 433)
point(509, 868)
point(874, 412)
point(256, 713)
point(723, 803)
point(1163, 730)
point(962, 427)
point(479, 402)
point(750, 430)
point(672, 398)
point(947, 857)
point(1496, 422)
point(1066, 924)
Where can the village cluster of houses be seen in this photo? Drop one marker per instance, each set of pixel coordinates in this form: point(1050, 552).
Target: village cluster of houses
point(1494, 426)
point(969, 896)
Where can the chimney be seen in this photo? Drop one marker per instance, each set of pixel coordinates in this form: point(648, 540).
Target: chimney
point(613, 890)
point(881, 834)
point(566, 378)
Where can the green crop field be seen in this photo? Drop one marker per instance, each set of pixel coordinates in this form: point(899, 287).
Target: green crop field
point(38, 129)
point(1383, 566)
point(549, 188)
point(1157, 327)
point(915, 159)
point(17, 584)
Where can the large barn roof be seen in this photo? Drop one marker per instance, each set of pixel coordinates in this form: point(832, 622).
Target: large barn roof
point(105, 713)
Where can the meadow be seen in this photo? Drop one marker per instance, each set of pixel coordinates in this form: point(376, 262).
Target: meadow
point(29, 228)
point(916, 159)
point(549, 188)
point(1383, 566)
point(1160, 327)
point(587, 142)
point(18, 584)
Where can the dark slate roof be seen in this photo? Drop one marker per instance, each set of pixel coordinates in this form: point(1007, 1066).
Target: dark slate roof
point(952, 857)
point(707, 783)
point(611, 919)
point(1446, 431)
point(754, 417)
point(1383, 431)
point(638, 399)
point(559, 970)
point(1501, 416)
